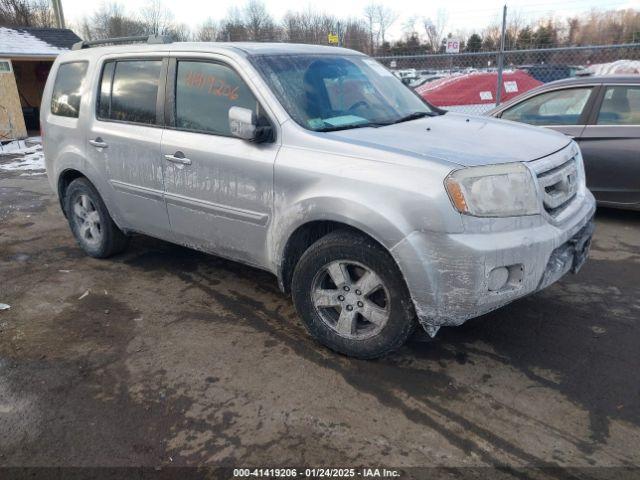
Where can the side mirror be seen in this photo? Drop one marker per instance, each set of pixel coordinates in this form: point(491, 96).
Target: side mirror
point(244, 124)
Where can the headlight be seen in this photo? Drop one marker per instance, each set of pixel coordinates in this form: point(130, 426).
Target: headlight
point(493, 190)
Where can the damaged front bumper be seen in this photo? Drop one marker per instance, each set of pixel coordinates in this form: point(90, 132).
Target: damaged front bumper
point(455, 277)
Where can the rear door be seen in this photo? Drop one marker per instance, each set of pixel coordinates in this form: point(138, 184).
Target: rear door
point(218, 188)
point(124, 140)
point(611, 146)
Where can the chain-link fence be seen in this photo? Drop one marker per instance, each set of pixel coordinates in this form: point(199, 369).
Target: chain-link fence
point(468, 82)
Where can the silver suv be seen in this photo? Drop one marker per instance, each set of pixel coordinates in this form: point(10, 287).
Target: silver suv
point(376, 211)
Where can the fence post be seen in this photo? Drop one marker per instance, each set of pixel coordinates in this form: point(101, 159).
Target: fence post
point(501, 56)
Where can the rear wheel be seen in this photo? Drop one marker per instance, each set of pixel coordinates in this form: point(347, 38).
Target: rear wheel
point(90, 222)
point(351, 296)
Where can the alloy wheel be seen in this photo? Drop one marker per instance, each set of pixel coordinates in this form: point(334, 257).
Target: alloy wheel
point(88, 220)
point(351, 299)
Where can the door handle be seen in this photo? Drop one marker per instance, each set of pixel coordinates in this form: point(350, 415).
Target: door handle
point(98, 143)
point(182, 160)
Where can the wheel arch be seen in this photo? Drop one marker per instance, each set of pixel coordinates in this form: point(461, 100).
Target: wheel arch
point(65, 178)
point(71, 173)
point(310, 227)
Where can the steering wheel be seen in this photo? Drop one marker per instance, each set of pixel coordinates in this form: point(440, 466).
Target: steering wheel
point(361, 103)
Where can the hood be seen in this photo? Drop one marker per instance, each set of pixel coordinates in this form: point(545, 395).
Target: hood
point(461, 139)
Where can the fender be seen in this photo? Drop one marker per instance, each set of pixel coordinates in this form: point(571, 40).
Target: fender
point(71, 157)
point(385, 231)
point(78, 163)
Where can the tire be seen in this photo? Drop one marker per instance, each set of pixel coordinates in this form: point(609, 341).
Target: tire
point(381, 317)
point(90, 222)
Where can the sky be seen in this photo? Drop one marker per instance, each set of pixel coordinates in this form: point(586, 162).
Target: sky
point(462, 15)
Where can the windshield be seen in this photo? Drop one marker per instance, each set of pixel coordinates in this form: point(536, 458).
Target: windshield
point(327, 92)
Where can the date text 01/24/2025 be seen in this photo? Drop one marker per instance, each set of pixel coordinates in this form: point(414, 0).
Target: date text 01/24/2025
point(316, 472)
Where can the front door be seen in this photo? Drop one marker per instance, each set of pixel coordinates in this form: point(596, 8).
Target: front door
point(564, 110)
point(125, 139)
point(611, 147)
point(218, 188)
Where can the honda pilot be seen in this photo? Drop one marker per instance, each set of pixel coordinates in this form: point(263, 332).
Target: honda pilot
point(376, 211)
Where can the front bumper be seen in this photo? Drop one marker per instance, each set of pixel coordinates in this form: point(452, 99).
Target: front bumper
point(450, 276)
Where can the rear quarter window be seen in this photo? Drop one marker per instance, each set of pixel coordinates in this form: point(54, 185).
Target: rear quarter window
point(67, 89)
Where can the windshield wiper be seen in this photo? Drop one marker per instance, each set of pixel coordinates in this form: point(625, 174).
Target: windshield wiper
point(406, 118)
point(412, 116)
point(333, 128)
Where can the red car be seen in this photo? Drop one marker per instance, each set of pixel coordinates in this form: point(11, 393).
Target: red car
point(475, 92)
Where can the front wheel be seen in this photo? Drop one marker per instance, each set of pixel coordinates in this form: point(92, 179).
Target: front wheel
point(351, 296)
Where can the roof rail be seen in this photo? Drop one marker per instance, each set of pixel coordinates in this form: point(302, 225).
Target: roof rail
point(122, 40)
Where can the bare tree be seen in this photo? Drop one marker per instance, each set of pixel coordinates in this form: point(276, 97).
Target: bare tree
point(26, 13)
point(435, 30)
point(299, 27)
point(252, 21)
point(310, 26)
point(207, 31)
point(409, 26)
point(385, 18)
point(597, 28)
point(157, 18)
point(515, 24)
point(259, 23)
point(370, 16)
point(233, 28)
point(179, 32)
point(111, 21)
point(491, 36)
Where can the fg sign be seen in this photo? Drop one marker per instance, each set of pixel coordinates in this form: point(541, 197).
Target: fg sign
point(453, 45)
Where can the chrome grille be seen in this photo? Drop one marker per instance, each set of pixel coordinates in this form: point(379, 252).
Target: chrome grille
point(559, 186)
point(560, 178)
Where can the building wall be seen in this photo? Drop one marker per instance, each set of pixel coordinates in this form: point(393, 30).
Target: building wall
point(12, 125)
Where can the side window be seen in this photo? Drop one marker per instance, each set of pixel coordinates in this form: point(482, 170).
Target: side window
point(204, 94)
point(560, 107)
point(129, 91)
point(65, 100)
point(620, 106)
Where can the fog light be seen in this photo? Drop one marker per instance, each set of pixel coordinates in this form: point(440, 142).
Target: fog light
point(498, 278)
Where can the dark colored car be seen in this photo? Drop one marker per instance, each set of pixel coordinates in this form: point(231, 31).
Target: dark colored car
point(550, 72)
point(603, 115)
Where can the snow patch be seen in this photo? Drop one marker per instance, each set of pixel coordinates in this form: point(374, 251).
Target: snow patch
point(22, 42)
point(619, 67)
point(26, 154)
